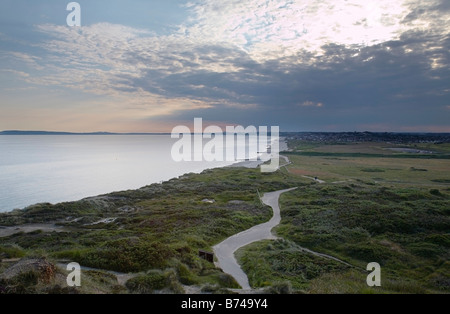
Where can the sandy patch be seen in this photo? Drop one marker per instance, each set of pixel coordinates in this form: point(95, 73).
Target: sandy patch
point(7, 231)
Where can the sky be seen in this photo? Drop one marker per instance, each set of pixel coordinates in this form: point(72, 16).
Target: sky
point(302, 65)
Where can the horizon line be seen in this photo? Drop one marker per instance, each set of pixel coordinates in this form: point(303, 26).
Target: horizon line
point(42, 132)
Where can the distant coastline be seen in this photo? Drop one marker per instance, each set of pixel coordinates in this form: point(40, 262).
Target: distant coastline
point(14, 132)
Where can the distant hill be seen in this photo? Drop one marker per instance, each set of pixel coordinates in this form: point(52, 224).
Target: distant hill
point(355, 137)
point(14, 132)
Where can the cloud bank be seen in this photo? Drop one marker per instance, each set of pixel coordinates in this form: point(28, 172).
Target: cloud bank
point(303, 65)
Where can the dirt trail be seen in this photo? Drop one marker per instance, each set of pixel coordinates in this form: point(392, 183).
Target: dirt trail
point(226, 249)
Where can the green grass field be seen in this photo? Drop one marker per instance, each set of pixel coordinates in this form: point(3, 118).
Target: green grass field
point(394, 211)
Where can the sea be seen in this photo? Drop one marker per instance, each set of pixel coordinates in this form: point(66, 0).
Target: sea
point(61, 168)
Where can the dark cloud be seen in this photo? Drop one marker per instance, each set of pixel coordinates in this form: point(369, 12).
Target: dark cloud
point(391, 83)
point(426, 10)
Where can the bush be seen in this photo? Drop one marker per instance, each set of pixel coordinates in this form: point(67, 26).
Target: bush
point(404, 286)
point(417, 169)
point(72, 255)
point(424, 249)
point(148, 283)
point(435, 192)
point(172, 281)
point(185, 275)
point(440, 281)
point(57, 289)
point(228, 281)
point(155, 280)
point(368, 252)
point(283, 287)
point(372, 170)
point(127, 256)
point(11, 252)
point(439, 239)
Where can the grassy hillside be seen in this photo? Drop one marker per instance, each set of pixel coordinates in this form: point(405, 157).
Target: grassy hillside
point(394, 211)
point(158, 228)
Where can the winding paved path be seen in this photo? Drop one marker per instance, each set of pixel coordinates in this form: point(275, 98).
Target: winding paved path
point(225, 250)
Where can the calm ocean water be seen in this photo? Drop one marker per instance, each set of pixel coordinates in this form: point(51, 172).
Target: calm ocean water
point(60, 168)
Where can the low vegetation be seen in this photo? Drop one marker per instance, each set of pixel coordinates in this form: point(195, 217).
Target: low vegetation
point(394, 211)
point(156, 229)
point(402, 226)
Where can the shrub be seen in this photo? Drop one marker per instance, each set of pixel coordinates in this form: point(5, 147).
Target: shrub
point(372, 170)
point(283, 287)
point(439, 239)
point(185, 275)
point(152, 280)
point(417, 169)
point(368, 252)
point(127, 256)
point(404, 286)
point(155, 280)
point(11, 252)
point(227, 281)
point(435, 192)
point(424, 249)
